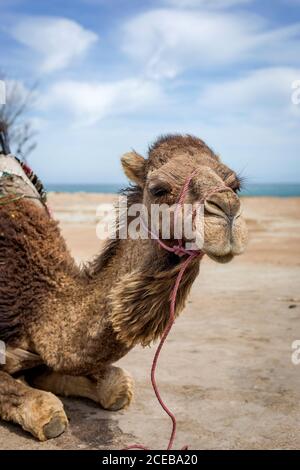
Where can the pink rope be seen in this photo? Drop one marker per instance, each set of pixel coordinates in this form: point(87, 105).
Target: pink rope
point(192, 254)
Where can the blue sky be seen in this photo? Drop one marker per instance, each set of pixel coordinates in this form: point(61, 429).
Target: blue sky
point(115, 74)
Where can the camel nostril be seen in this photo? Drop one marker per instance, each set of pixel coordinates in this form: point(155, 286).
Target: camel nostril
point(225, 204)
point(213, 205)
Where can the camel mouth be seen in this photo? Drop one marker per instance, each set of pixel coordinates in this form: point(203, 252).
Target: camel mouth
point(223, 259)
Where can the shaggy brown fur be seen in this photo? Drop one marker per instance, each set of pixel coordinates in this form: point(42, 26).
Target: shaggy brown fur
point(33, 258)
point(168, 146)
point(147, 290)
point(79, 322)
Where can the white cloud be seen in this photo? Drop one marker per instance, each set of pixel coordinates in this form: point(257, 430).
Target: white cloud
point(166, 42)
point(261, 92)
point(58, 40)
point(88, 102)
point(206, 3)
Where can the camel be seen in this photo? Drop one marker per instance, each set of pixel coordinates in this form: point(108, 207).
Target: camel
point(65, 326)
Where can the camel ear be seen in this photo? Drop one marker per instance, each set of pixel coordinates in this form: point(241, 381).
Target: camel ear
point(134, 166)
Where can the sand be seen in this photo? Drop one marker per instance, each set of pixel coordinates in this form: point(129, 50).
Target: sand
point(226, 370)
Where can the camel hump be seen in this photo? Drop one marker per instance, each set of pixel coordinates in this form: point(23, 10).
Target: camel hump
point(16, 178)
point(15, 175)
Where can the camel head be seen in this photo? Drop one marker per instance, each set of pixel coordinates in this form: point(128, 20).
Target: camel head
point(160, 178)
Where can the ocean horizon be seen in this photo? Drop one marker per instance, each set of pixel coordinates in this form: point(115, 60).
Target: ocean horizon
point(257, 189)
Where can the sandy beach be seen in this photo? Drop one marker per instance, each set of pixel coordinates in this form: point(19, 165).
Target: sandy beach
point(226, 370)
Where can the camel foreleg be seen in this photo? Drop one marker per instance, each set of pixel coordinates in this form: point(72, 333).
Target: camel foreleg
point(112, 388)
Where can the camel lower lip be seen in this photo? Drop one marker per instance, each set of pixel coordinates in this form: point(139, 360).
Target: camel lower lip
point(221, 258)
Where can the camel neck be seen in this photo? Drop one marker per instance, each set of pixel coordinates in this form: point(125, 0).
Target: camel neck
point(138, 278)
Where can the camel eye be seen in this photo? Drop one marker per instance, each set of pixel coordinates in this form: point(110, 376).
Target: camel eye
point(233, 182)
point(235, 188)
point(158, 191)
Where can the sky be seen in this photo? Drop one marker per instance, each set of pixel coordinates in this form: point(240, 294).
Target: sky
point(113, 75)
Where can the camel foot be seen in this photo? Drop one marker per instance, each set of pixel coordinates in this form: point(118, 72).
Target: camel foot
point(55, 427)
point(43, 416)
point(115, 389)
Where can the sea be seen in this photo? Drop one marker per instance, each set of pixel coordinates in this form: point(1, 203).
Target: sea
point(259, 189)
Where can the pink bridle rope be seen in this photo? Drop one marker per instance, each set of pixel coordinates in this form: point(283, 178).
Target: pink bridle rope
point(179, 250)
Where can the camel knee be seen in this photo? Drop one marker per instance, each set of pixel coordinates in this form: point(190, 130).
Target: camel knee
point(115, 388)
point(38, 412)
